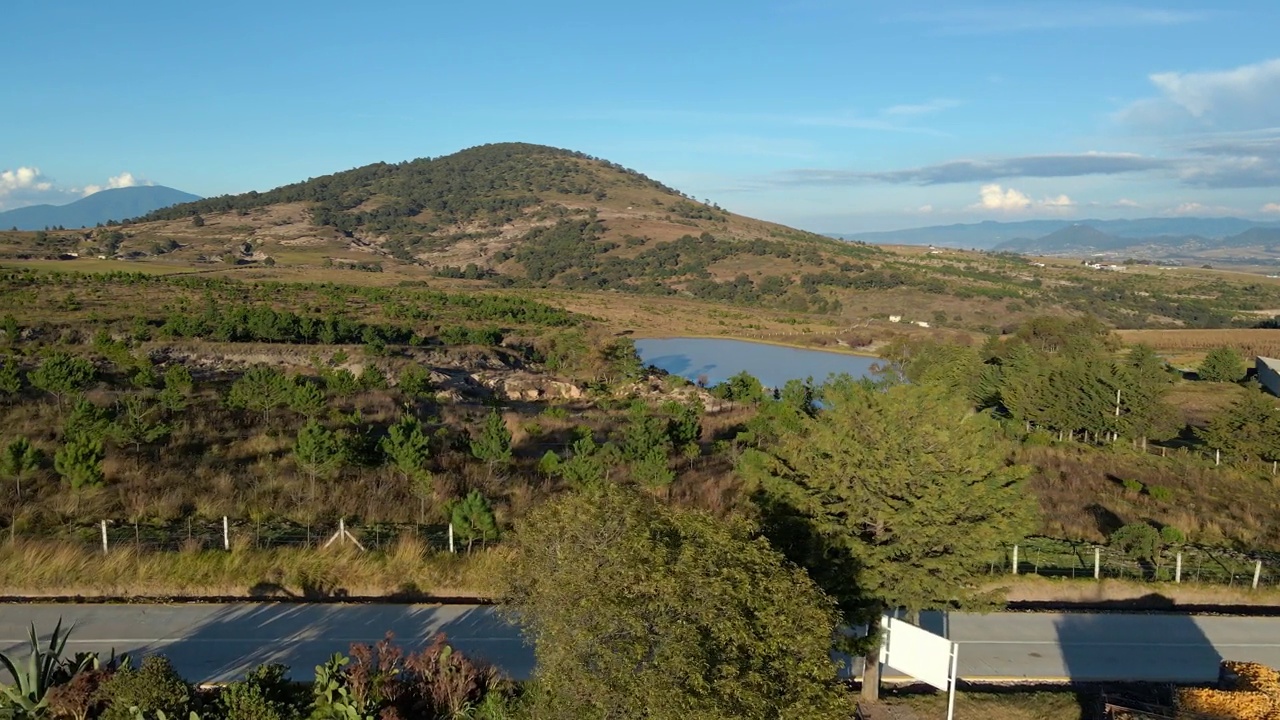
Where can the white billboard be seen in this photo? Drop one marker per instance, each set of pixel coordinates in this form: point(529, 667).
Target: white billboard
point(917, 652)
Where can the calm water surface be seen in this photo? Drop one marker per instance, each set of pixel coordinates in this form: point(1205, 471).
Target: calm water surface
point(717, 359)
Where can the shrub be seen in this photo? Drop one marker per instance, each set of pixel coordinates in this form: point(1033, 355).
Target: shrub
point(1138, 540)
point(153, 687)
point(1171, 535)
point(263, 694)
point(1157, 492)
point(1133, 486)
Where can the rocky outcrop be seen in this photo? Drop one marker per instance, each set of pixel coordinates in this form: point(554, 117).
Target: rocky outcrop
point(527, 386)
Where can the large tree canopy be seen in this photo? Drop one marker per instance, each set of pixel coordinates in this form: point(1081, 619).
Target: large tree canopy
point(642, 612)
point(894, 496)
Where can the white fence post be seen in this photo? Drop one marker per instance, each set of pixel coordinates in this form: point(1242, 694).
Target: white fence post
point(104, 537)
point(1217, 458)
point(342, 531)
point(226, 533)
point(1257, 574)
point(1097, 563)
point(1177, 572)
point(450, 537)
point(1014, 569)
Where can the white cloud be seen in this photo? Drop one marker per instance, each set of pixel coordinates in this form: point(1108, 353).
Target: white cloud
point(924, 108)
point(1243, 98)
point(1126, 203)
point(24, 178)
point(26, 185)
point(1199, 208)
point(123, 180)
point(1008, 200)
point(924, 209)
point(1271, 208)
point(1014, 17)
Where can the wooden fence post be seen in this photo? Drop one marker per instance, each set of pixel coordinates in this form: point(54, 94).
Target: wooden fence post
point(1177, 572)
point(1257, 574)
point(1097, 563)
point(226, 534)
point(1014, 569)
point(104, 537)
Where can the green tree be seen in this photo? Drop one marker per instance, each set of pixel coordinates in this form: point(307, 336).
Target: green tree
point(61, 374)
point(87, 421)
point(1222, 364)
point(472, 518)
point(743, 387)
point(19, 460)
point(409, 449)
point(653, 469)
point(891, 496)
point(306, 398)
point(79, 462)
point(415, 381)
point(637, 610)
point(137, 423)
point(585, 466)
point(10, 378)
point(318, 451)
point(1247, 429)
point(178, 385)
point(262, 389)
point(493, 446)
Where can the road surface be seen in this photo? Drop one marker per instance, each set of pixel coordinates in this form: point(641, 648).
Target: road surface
point(220, 642)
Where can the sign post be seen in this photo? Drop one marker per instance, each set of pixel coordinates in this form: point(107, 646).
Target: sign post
point(921, 654)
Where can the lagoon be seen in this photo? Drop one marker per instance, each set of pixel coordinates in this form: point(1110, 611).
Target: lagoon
point(714, 360)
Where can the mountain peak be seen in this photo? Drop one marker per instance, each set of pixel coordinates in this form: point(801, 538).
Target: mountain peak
point(100, 207)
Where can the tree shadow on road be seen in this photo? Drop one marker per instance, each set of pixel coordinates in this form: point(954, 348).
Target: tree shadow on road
point(226, 642)
point(1159, 649)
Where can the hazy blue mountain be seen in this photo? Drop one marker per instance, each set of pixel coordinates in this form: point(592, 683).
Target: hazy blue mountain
point(990, 234)
point(1085, 239)
point(114, 204)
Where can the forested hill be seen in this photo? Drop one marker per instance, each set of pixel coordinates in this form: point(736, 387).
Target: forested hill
point(518, 215)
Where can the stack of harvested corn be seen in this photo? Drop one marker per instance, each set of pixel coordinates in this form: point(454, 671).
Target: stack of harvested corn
point(1252, 693)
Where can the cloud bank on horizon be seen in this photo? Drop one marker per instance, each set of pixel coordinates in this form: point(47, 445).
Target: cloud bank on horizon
point(24, 186)
point(829, 115)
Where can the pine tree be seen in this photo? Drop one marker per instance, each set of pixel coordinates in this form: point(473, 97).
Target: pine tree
point(61, 374)
point(409, 450)
point(891, 496)
point(177, 388)
point(136, 423)
point(318, 451)
point(10, 378)
point(261, 389)
point(79, 462)
point(306, 399)
point(19, 461)
point(472, 519)
point(493, 446)
point(1222, 364)
point(1248, 429)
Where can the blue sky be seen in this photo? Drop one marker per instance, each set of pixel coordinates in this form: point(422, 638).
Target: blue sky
point(835, 116)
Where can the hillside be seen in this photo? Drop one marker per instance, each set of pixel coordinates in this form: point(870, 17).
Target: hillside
point(100, 207)
point(596, 235)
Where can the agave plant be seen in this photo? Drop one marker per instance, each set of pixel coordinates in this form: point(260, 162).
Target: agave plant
point(43, 669)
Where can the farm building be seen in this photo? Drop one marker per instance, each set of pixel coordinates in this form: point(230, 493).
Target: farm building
point(1269, 374)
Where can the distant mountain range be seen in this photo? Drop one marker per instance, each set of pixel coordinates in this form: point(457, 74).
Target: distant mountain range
point(1083, 235)
point(114, 204)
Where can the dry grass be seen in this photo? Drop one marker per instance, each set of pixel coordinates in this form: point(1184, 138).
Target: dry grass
point(1082, 496)
point(1037, 588)
point(408, 570)
point(1062, 705)
point(1193, 344)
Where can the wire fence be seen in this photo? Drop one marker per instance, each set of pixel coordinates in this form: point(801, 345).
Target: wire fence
point(1043, 556)
point(229, 534)
point(1052, 557)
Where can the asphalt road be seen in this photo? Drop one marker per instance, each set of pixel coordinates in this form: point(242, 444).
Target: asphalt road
point(220, 642)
